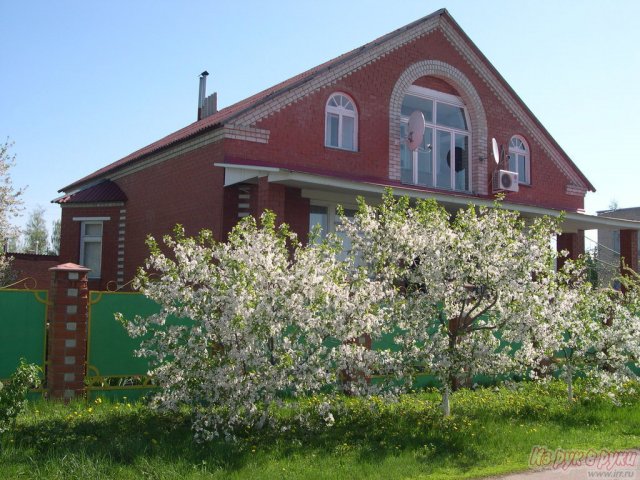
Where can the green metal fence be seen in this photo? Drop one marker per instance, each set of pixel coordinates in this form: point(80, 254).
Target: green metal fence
point(113, 370)
point(23, 323)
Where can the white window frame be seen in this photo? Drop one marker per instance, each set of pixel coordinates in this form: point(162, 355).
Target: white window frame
point(84, 239)
point(341, 112)
point(332, 218)
point(332, 214)
point(526, 153)
point(441, 97)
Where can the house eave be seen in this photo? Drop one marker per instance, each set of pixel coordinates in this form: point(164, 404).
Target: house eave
point(372, 191)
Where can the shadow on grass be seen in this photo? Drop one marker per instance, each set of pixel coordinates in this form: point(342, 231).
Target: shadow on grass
point(363, 433)
point(124, 438)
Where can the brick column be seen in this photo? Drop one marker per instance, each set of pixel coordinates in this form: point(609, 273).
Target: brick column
point(628, 250)
point(573, 242)
point(270, 196)
point(67, 333)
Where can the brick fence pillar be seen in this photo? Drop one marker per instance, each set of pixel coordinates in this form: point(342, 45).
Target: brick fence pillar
point(67, 333)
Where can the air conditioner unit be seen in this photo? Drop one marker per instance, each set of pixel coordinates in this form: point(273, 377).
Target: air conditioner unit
point(504, 180)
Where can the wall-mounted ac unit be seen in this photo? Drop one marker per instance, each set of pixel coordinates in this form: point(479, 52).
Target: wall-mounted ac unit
point(505, 181)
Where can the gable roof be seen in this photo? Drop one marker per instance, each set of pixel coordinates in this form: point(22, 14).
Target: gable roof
point(262, 102)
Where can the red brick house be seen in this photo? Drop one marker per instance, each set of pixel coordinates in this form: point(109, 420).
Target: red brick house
point(324, 137)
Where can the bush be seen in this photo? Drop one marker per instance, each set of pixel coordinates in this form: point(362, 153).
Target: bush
point(13, 394)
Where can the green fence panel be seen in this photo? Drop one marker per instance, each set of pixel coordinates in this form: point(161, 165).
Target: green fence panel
point(110, 350)
point(23, 320)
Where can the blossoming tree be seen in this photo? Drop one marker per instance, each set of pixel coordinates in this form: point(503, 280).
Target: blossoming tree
point(459, 281)
point(246, 323)
point(264, 317)
point(10, 207)
point(593, 332)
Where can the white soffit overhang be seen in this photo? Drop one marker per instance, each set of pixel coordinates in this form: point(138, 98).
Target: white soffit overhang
point(244, 173)
point(313, 185)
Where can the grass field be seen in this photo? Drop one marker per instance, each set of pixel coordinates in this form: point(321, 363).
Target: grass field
point(491, 431)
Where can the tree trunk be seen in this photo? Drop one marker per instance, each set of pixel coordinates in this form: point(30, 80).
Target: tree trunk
point(570, 385)
point(446, 408)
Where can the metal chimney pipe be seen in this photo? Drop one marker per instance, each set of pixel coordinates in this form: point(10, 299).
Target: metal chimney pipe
point(202, 93)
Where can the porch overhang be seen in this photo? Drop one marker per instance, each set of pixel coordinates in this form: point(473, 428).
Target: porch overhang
point(314, 186)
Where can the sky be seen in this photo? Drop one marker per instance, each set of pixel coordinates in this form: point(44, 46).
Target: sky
point(82, 83)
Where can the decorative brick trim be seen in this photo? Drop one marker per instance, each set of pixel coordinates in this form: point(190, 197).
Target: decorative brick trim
point(376, 52)
point(92, 205)
point(122, 224)
point(244, 200)
point(471, 100)
point(576, 190)
point(236, 132)
point(330, 76)
point(247, 134)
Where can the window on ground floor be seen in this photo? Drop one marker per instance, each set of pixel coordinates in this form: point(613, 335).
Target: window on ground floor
point(91, 246)
point(327, 218)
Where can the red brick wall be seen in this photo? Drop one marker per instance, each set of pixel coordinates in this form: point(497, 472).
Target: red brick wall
point(33, 268)
point(230, 213)
point(70, 241)
point(436, 84)
point(187, 190)
point(297, 131)
point(297, 213)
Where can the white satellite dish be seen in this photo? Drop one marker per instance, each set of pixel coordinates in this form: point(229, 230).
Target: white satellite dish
point(416, 130)
point(496, 150)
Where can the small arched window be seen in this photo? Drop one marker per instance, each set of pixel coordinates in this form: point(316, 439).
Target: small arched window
point(520, 159)
point(341, 125)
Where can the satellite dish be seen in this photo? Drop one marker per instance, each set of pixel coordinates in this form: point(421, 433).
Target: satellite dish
point(416, 130)
point(496, 150)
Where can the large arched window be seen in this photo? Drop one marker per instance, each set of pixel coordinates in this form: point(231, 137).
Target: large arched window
point(519, 159)
point(341, 124)
point(442, 160)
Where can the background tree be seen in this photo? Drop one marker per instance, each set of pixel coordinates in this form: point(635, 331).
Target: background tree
point(10, 207)
point(55, 238)
point(13, 242)
point(36, 236)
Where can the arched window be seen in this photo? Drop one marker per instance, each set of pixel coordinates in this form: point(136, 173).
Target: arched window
point(519, 159)
point(341, 125)
point(442, 160)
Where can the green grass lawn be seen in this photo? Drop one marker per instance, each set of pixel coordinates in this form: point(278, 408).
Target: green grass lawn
point(491, 431)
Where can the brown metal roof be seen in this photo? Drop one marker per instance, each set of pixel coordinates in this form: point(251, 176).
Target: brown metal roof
point(103, 192)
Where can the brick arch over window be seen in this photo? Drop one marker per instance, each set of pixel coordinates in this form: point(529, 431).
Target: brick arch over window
point(472, 103)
